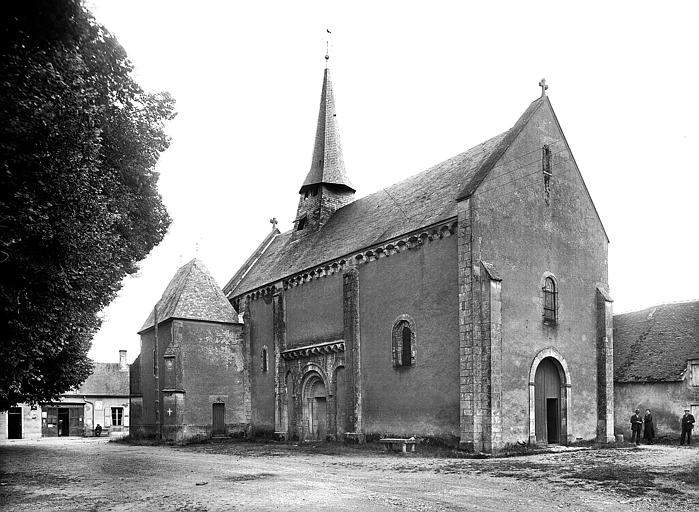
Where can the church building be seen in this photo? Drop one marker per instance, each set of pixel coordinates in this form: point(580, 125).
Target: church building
point(467, 303)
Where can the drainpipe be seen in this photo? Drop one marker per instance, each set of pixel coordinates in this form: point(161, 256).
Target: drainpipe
point(93, 411)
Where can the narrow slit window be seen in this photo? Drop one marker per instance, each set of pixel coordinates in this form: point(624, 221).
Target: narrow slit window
point(403, 342)
point(546, 168)
point(264, 360)
point(550, 301)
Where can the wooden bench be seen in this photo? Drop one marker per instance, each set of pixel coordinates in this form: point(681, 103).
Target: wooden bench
point(393, 443)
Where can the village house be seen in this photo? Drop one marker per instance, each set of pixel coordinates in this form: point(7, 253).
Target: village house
point(467, 303)
point(103, 399)
point(656, 365)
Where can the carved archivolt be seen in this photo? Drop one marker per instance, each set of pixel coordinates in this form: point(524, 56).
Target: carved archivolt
point(413, 240)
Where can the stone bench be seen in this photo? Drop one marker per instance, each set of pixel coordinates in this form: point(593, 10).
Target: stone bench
point(393, 443)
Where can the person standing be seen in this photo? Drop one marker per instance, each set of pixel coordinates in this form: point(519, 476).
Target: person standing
point(648, 427)
point(687, 426)
point(636, 423)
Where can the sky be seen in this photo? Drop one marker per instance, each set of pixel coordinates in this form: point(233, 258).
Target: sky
point(415, 83)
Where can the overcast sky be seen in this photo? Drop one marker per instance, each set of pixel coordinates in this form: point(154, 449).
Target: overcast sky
point(415, 83)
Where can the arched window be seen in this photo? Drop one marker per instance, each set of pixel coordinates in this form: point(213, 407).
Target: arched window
point(550, 301)
point(403, 342)
point(264, 359)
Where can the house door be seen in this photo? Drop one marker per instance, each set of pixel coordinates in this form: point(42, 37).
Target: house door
point(547, 394)
point(315, 411)
point(14, 423)
point(219, 422)
point(63, 421)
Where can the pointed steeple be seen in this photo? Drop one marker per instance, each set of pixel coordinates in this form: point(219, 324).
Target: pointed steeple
point(326, 187)
point(327, 166)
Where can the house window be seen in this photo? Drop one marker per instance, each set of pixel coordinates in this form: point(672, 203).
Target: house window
point(264, 359)
point(546, 168)
point(117, 416)
point(550, 301)
point(403, 342)
point(694, 373)
point(302, 223)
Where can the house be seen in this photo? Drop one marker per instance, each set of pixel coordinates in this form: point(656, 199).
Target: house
point(656, 365)
point(102, 399)
point(467, 303)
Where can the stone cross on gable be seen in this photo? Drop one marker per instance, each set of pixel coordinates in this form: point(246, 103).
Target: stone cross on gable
point(543, 86)
point(274, 222)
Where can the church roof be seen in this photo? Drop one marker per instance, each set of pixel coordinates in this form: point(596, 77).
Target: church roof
point(421, 200)
point(327, 165)
point(193, 295)
point(653, 345)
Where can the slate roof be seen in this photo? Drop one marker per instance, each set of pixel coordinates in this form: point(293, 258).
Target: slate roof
point(193, 295)
point(653, 345)
point(327, 164)
point(421, 200)
point(107, 380)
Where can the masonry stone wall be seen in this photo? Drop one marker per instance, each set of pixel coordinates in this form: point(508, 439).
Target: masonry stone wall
point(261, 332)
point(423, 399)
point(213, 372)
point(314, 311)
point(147, 425)
point(666, 400)
point(526, 231)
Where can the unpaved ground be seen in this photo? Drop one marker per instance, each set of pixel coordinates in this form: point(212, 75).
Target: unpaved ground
point(91, 474)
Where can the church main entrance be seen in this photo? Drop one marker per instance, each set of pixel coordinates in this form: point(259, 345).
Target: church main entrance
point(315, 411)
point(548, 402)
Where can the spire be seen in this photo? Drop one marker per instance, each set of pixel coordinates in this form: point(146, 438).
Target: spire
point(327, 166)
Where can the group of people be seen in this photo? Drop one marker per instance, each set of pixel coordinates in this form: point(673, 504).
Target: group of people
point(645, 423)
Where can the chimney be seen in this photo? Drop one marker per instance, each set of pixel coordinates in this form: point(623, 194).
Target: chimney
point(123, 366)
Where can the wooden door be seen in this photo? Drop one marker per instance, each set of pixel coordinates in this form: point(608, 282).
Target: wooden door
point(75, 421)
point(320, 415)
point(547, 385)
point(219, 419)
point(14, 423)
point(63, 421)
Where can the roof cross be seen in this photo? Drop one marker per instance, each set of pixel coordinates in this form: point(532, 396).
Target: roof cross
point(273, 221)
point(542, 84)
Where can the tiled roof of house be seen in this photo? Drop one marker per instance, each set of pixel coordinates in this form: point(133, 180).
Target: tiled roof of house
point(107, 379)
point(193, 295)
point(421, 200)
point(654, 344)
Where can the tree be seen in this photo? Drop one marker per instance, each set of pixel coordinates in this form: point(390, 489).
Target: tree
point(79, 206)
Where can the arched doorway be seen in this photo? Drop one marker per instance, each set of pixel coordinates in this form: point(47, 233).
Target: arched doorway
point(315, 412)
point(548, 401)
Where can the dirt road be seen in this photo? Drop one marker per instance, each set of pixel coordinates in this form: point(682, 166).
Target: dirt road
point(91, 474)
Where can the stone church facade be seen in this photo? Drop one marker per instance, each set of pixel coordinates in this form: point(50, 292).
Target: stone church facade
point(467, 303)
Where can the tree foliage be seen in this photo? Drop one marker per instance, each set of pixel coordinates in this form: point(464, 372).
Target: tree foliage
point(79, 206)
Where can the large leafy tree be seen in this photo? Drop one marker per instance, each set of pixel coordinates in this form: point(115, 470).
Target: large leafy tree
point(79, 206)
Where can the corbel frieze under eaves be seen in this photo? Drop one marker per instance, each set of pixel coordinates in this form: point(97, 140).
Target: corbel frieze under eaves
point(407, 242)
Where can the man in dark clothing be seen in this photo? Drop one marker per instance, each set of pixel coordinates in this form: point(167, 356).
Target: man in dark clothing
point(687, 426)
point(648, 427)
point(636, 423)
